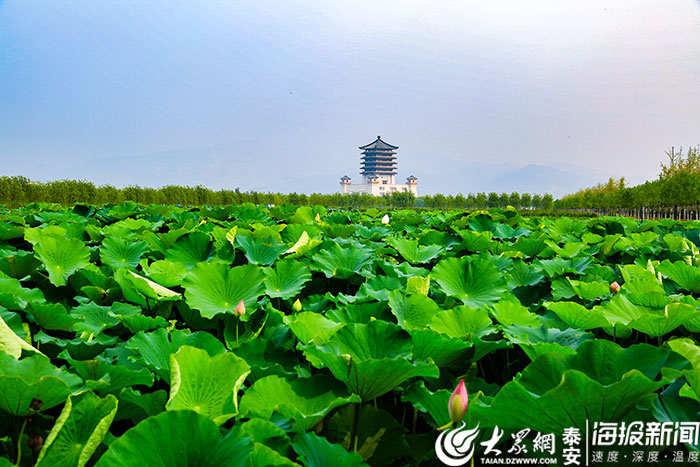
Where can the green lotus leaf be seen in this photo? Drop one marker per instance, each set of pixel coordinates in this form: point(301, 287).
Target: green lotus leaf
point(477, 282)
point(523, 275)
point(538, 340)
point(207, 385)
point(418, 285)
point(136, 323)
point(156, 347)
point(316, 451)
point(214, 288)
point(181, 438)
point(15, 297)
point(286, 279)
point(577, 316)
point(83, 347)
point(379, 438)
point(263, 456)
point(620, 311)
point(602, 381)
point(79, 430)
point(656, 324)
point(164, 241)
point(11, 343)
point(151, 289)
point(443, 350)
point(8, 231)
point(371, 359)
point(92, 318)
point(165, 273)
point(264, 433)
point(309, 326)
point(530, 246)
point(104, 377)
point(18, 264)
point(118, 253)
point(265, 359)
point(463, 322)
point(299, 243)
point(677, 409)
point(224, 243)
point(360, 312)
point(378, 288)
point(434, 404)
point(413, 311)
point(61, 256)
point(303, 245)
point(690, 351)
point(685, 275)
point(568, 250)
point(33, 378)
point(51, 316)
point(136, 406)
point(481, 223)
point(556, 267)
point(191, 249)
point(508, 313)
point(260, 251)
point(413, 252)
point(342, 262)
point(305, 401)
point(589, 290)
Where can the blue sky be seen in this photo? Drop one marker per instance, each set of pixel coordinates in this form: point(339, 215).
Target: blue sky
point(279, 94)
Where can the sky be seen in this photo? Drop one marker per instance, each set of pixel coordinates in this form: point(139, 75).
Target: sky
point(545, 96)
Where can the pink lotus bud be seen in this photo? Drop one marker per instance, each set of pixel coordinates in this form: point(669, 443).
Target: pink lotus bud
point(614, 288)
point(240, 309)
point(459, 401)
point(385, 219)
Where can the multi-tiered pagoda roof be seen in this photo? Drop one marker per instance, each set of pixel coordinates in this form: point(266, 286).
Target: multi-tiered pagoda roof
point(378, 158)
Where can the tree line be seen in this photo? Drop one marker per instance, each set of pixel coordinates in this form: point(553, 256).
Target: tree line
point(490, 200)
point(676, 193)
point(19, 190)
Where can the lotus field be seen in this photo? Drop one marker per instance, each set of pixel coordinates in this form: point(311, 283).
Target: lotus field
point(244, 335)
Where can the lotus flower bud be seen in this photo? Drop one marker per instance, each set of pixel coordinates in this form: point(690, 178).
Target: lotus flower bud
point(318, 217)
point(240, 309)
point(614, 288)
point(385, 219)
point(459, 401)
point(297, 305)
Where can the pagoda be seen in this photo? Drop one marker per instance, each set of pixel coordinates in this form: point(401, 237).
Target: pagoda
point(379, 159)
point(378, 170)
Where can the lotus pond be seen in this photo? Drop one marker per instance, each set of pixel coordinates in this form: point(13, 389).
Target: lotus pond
point(123, 339)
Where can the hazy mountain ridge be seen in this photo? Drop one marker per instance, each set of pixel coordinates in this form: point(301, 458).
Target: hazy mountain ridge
point(222, 166)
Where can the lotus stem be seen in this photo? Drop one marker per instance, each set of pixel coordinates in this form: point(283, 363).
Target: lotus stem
point(19, 441)
point(446, 426)
point(355, 424)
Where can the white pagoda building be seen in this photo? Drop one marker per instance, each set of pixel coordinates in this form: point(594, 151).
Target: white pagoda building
point(378, 170)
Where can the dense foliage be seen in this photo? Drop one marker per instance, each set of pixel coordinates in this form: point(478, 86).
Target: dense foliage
point(678, 185)
point(123, 340)
point(16, 191)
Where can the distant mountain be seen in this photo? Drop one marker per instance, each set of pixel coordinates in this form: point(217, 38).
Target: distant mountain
point(532, 178)
point(239, 166)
